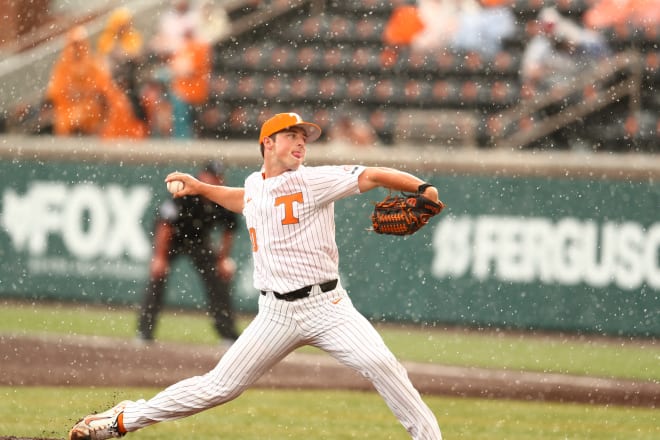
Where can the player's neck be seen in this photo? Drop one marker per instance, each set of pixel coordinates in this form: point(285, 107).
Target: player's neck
point(274, 169)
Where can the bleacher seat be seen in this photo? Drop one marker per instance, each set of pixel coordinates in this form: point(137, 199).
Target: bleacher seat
point(275, 87)
point(367, 7)
point(445, 92)
point(313, 29)
point(358, 90)
point(365, 59)
point(369, 29)
point(248, 85)
point(307, 57)
point(282, 57)
point(627, 35)
point(334, 59)
point(303, 87)
point(416, 92)
point(439, 126)
point(222, 86)
point(332, 88)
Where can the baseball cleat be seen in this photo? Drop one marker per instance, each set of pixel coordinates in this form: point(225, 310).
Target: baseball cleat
point(100, 426)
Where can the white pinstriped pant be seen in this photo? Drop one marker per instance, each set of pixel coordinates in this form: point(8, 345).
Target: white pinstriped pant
point(279, 328)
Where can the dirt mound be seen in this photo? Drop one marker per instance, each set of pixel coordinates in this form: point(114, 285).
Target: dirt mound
point(96, 361)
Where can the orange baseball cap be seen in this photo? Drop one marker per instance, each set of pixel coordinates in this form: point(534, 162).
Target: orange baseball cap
point(282, 121)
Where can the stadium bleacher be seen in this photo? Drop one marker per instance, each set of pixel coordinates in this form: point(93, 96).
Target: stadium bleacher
point(324, 58)
point(330, 62)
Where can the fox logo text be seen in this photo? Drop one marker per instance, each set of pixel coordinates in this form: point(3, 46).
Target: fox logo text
point(91, 221)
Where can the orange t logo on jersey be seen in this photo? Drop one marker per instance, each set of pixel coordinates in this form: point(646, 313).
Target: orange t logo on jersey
point(287, 201)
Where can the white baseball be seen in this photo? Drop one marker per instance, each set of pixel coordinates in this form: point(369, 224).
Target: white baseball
point(175, 186)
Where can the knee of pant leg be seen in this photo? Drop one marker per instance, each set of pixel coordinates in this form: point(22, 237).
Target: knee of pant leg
point(218, 390)
point(385, 363)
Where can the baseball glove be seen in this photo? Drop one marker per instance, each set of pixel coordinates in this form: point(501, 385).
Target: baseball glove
point(404, 214)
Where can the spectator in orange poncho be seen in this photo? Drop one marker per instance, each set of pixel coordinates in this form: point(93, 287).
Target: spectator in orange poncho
point(85, 100)
point(191, 75)
point(121, 120)
point(400, 30)
point(611, 13)
point(77, 88)
point(119, 42)
point(120, 45)
point(403, 25)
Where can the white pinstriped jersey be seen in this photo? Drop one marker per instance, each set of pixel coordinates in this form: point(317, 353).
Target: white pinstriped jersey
point(290, 219)
point(291, 224)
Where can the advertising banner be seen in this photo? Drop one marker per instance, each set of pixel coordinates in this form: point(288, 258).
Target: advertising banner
point(544, 253)
point(559, 254)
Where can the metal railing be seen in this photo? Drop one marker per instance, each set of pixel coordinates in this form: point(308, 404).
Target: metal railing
point(609, 81)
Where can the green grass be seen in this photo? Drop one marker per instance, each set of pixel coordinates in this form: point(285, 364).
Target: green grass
point(300, 414)
point(632, 359)
point(274, 415)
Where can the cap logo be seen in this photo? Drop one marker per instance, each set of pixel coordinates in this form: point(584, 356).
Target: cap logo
point(296, 116)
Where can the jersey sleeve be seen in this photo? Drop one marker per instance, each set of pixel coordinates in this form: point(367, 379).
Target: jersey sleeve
point(333, 182)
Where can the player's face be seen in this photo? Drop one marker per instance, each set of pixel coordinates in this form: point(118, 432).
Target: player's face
point(289, 148)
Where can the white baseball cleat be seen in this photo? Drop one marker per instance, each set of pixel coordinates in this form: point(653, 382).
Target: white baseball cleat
point(100, 426)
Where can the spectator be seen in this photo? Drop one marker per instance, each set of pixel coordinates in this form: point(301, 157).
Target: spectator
point(184, 228)
point(214, 22)
point(157, 107)
point(43, 124)
point(403, 26)
point(120, 42)
point(120, 45)
point(434, 25)
point(483, 28)
point(85, 99)
point(558, 50)
point(77, 88)
point(442, 20)
point(174, 23)
point(190, 84)
point(120, 119)
point(609, 13)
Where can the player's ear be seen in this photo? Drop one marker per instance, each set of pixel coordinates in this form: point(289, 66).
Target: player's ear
point(268, 143)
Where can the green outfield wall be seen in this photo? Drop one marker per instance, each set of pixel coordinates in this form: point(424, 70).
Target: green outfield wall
point(550, 242)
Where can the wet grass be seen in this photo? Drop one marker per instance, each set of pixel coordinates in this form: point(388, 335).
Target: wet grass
point(269, 414)
point(594, 356)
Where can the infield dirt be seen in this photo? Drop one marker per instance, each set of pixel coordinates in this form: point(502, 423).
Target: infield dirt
point(50, 360)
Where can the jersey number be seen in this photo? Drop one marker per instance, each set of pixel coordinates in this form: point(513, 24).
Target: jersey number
point(253, 239)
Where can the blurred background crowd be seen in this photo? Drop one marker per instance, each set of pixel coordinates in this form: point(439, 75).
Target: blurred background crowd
point(567, 74)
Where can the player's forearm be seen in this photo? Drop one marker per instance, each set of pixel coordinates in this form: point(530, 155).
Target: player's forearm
point(396, 180)
point(226, 196)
